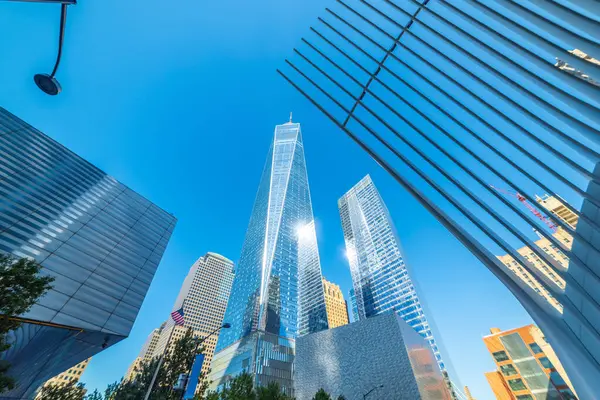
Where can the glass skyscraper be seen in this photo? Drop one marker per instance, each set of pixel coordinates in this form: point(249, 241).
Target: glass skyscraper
point(101, 241)
point(277, 292)
point(381, 282)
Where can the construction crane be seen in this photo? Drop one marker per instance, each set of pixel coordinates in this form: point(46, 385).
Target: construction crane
point(523, 200)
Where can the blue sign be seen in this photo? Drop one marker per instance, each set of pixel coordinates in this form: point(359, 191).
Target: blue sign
point(193, 379)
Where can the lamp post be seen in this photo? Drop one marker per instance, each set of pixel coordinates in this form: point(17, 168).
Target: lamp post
point(47, 82)
point(369, 392)
point(226, 325)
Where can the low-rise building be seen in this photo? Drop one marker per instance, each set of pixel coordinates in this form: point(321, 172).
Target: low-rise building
point(382, 355)
point(527, 368)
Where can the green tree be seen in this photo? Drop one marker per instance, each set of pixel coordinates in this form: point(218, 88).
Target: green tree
point(211, 396)
point(341, 397)
point(271, 392)
point(175, 362)
point(322, 395)
point(110, 391)
point(68, 391)
point(20, 287)
point(95, 395)
point(240, 388)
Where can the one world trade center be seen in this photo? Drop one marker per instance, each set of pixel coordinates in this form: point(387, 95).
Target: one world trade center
point(277, 292)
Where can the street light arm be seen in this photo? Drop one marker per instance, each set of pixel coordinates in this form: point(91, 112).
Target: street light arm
point(370, 391)
point(207, 336)
point(61, 37)
point(48, 83)
point(198, 343)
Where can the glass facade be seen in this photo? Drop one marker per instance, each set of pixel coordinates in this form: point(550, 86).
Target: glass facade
point(380, 278)
point(533, 377)
point(278, 287)
point(101, 241)
point(353, 305)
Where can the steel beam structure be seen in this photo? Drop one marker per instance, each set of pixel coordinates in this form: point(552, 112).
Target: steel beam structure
point(450, 96)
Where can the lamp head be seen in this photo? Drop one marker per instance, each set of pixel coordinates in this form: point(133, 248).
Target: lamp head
point(226, 325)
point(47, 83)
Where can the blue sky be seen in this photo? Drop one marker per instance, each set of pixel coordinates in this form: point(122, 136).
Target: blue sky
point(179, 100)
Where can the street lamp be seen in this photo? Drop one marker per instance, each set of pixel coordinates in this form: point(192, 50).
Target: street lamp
point(369, 392)
point(47, 82)
point(226, 325)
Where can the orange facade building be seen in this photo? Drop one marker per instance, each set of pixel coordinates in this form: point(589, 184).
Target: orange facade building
point(524, 371)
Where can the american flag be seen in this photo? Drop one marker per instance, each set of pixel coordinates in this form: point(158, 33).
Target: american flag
point(178, 316)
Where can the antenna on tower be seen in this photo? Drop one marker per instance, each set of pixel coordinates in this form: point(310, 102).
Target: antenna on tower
point(290, 117)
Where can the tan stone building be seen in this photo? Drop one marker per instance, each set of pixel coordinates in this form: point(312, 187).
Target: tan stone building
point(337, 308)
point(557, 208)
point(565, 66)
point(203, 296)
point(73, 374)
point(146, 354)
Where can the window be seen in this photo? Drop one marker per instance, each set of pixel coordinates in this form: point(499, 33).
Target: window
point(517, 384)
point(568, 395)
point(524, 397)
point(508, 370)
point(545, 362)
point(500, 356)
point(535, 348)
point(557, 379)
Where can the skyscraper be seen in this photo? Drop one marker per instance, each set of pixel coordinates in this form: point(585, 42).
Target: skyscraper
point(277, 291)
point(380, 277)
point(100, 240)
point(353, 305)
point(203, 296)
point(73, 374)
point(146, 354)
point(337, 308)
point(556, 207)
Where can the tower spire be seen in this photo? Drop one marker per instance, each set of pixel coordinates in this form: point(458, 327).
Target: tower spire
point(290, 117)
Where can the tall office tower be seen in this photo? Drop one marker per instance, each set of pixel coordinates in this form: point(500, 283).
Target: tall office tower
point(146, 353)
point(556, 207)
point(565, 66)
point(278, 291)
point(553, 251)
point(73, 374)
point(337, 308)
point(527, 367)
point(100, 240)
point(203, 296)
point(379, 275)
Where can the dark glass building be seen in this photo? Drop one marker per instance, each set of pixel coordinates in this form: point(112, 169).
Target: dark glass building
point(101, 241)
